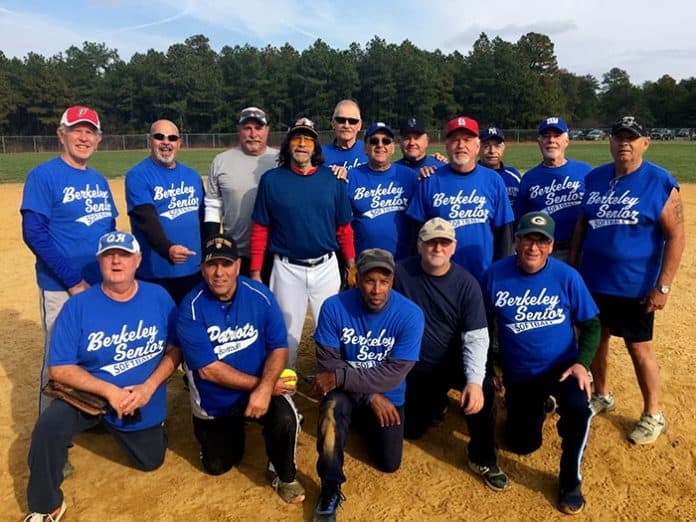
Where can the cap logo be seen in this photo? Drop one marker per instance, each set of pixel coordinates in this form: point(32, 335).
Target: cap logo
point(493, 130)
point(551, 121)
point(381, 124)
point(538, 220)
point(628, 121)
point(411, 122)
point(82, 112)
point(116, 237)
point(461, 121)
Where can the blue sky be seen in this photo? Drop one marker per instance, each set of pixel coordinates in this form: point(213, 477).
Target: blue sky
point(643, 37)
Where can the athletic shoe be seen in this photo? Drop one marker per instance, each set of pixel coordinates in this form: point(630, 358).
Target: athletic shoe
point(330, 498)
point(648, 429)
point(550, 405)
point(494, 477)
point(571, 502)
point(602, 403)
point(290, 492)
point(55, 516)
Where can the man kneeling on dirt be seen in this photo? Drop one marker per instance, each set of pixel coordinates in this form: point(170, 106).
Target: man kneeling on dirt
point(368, 339)
point(235, 346)
point(115, 340)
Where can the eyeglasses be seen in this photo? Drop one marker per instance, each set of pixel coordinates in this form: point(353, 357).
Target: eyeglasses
point(343, 119)
point(300, 139)
point(161, 137)
point(378, 141)
point(538, 241)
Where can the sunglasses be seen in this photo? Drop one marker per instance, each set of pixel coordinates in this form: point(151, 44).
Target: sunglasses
point(383, 141)
point(161, 137)
point(342, 120)
point(297, 140)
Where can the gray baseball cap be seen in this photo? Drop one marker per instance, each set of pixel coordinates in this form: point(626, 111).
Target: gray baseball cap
point(375, 258)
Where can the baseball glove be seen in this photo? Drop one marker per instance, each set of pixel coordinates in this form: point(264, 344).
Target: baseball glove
point(84, 401)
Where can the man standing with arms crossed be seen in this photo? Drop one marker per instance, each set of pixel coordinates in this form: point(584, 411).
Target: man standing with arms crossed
point(629, 241)
point(66, 207)
point(556, 185)
point(233, 179)
point(165, 205)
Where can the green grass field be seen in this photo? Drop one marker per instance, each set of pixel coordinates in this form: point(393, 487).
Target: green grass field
point(679, 157)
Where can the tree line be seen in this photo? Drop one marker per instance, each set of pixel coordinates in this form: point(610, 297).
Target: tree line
point(511, 85)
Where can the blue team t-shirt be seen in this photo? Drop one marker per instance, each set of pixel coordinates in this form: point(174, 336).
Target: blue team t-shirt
point(512, 179)
point(379, 200)
point(475, 204)
point(624, 242)
point(240, 333)
point(80, 209)
point(177, 195)
point(348, 158)
point(536, 313)
point(557, 191)
point(301, 211)
point(366, 339)
point(118, 342)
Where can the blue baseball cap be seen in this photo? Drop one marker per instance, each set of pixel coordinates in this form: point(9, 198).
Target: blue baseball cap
point(118, 240)
point(492, 133)
point(379, 126)
point(553, 122)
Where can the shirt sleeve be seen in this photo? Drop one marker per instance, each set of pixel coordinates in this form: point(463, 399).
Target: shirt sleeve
point(138, 190)
point(214, 209)
point(65, 339)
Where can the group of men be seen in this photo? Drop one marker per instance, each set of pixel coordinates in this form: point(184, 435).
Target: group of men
point(427, 242)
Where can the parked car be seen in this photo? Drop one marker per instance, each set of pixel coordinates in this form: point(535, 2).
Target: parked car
point(595, 135)
point(576, 134)
point(661, 134)
point(684, 133)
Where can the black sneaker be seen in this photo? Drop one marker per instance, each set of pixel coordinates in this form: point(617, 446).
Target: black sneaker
point(494, 477)
point(330, 499)
point(571, 502)
point(550, 405)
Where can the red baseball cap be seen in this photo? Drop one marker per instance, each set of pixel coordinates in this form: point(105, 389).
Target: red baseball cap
point(462, 122)
point(80, 114)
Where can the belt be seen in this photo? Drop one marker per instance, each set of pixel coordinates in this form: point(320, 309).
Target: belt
point(307, 262)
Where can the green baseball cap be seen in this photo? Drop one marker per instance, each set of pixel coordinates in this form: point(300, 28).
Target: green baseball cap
point(536, 223)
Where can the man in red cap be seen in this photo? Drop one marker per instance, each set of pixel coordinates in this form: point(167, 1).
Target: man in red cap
point(66, 207)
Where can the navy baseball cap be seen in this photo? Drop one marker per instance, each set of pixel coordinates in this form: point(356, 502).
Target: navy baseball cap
point(630, 124)
point(412, 125)
point(253, 113)
point(553, 122)
point(118, 240)
point(379, 126)
point(220, 246)
point(536, 223)
point(303, 126)
point(492, 133)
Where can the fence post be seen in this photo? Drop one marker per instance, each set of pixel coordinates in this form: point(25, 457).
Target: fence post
point(123, 142)
point(3, 145)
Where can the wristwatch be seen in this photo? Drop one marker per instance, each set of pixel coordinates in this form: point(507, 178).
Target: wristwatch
point(663, 289)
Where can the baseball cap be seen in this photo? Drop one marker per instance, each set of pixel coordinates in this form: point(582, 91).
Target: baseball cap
point(376, 127)
point(492, 133)
point(436, 228)
point(536, 222)
point(118, 240)
point(553, 122)
point(80, 114)
point(303, 125)
point(220, 246)
point(462, 122)
point(412, 124)
point(629, 123)
point(375, 258)
point(253, 113)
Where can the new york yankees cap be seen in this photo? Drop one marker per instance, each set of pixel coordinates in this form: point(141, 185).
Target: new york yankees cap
point(462, 122)
point(80, 114)
point(375, 258)
point(253, 113)
point(536, 223)
point(118, 240)
point(492, 133)
point(553, 122)
point(631, 124)
point(412, 125)
point(220, 246)
point(436, 228)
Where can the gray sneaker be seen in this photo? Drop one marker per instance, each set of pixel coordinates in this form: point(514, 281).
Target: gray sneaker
point(494, 477)
point(290, 492)
point(648, 428)
point(602, 403)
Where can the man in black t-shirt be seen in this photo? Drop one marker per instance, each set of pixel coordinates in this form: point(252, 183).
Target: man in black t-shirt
point(454, 348)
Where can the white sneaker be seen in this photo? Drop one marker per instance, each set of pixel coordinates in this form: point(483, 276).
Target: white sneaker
point(55, 516)
point(602, 403)
point(648, 428)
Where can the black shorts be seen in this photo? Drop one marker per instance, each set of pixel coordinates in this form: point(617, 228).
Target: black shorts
point(625, 317)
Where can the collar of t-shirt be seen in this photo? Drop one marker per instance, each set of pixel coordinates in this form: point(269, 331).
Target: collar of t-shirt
point(308, 173)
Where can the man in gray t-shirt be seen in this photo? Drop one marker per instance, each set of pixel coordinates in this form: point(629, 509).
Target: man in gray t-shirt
point(233, 178)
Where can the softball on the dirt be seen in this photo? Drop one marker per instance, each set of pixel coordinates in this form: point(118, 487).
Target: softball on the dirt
point(288, 372)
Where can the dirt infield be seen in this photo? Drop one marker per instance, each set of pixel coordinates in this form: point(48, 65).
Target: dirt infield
point(620, 481)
